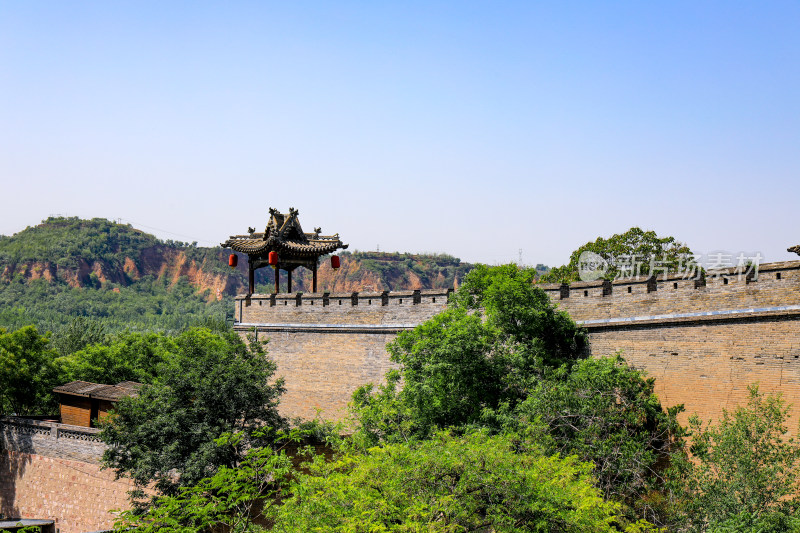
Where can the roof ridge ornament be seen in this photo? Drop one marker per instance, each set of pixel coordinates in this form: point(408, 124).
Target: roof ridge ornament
point(795, 249)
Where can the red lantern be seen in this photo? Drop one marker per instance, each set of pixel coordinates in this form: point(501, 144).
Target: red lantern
point(273, 259)
point(335, 262)
point(233, 261)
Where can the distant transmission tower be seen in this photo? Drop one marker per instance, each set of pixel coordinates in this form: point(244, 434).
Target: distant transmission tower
point(520, 257)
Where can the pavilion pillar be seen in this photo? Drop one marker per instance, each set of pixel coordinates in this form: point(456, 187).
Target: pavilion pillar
point(277, 280)
point(289, 281)
point(251, 278)
point(314, 279)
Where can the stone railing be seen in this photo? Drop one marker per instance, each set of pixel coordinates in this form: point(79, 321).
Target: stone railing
point(51, 439)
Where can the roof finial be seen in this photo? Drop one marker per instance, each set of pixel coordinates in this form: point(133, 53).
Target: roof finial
point(795, 249)
point(273, 211)
point(293, 212)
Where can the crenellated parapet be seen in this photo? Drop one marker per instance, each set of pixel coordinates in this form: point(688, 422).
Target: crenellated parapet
point(724, 294)
point(51, 439)
point(376, 312)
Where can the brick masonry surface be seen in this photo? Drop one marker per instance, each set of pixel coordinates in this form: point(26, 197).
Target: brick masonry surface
point(52, 471)
point(326, 346)
point(704, 341)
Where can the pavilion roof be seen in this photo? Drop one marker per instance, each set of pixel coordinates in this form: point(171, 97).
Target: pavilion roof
point(284, 234)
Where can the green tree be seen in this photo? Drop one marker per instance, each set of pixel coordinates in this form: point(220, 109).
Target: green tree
point(744, 473)
point(127, 357)
point(473, 482)
point(605, 412)
point(210, 385)
point(27, 373)
point(80, 333)
point(649, 253)
point(482, 355)
point(234, 499)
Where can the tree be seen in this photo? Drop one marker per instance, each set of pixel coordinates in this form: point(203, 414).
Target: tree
point(473, 482)
point(27, 373)
point(127, 357)
point(80, 333)
point(745, 472)
point(485, 353)
point(605, 412)
point(644, 252)
point(210, 385)
point(237, 500)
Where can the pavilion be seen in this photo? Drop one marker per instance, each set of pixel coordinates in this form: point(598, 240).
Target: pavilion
point(284, 246)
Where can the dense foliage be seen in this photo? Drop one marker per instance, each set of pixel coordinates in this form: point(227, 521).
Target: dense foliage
point(149, 305)
point(504, 359)
point(745, 472)
point(28, 373)
point(65, 240)
point(605, 412)
point(448, 483)
point(635, 252)
point(48, 276)
point(126, 356)
point(473, 482)
point(208, 385)
point(239, 499)
point(479, 358)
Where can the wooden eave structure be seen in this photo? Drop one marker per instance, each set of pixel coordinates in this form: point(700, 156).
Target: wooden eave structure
point(99, 391)
point(285, 236)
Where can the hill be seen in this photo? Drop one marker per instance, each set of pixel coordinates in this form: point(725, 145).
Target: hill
point(97, 269)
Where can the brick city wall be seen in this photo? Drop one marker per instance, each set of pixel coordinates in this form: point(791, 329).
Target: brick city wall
point(704, 341)
point(327, 345)
point(52, 471)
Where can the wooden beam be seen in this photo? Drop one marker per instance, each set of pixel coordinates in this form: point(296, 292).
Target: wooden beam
point(314, 279)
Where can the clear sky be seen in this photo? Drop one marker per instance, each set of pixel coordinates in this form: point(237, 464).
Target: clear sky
point(472, 128)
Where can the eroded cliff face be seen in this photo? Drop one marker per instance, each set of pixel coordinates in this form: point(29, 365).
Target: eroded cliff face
point(99, 253)
point(160, 262)
point(368, 271)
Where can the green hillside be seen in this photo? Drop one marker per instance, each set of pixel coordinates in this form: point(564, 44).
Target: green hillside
point(124, 278)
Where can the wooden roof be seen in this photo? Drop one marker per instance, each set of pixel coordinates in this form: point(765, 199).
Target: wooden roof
point(98, 390)
point(284, 235)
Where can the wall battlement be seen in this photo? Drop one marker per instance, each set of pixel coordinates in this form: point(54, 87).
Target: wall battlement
point(395, 310)
point(776, 285)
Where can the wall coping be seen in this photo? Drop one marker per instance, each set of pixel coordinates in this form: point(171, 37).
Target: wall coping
point(721, 272)
point(248, 327)
point(343, 295)
point(55, 430)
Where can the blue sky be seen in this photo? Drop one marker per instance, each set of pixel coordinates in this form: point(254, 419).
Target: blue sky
point(475, 129)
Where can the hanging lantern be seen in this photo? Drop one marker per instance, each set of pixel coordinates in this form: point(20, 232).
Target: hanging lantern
point(233, 261)
point(335, 262)
point(273, 259)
